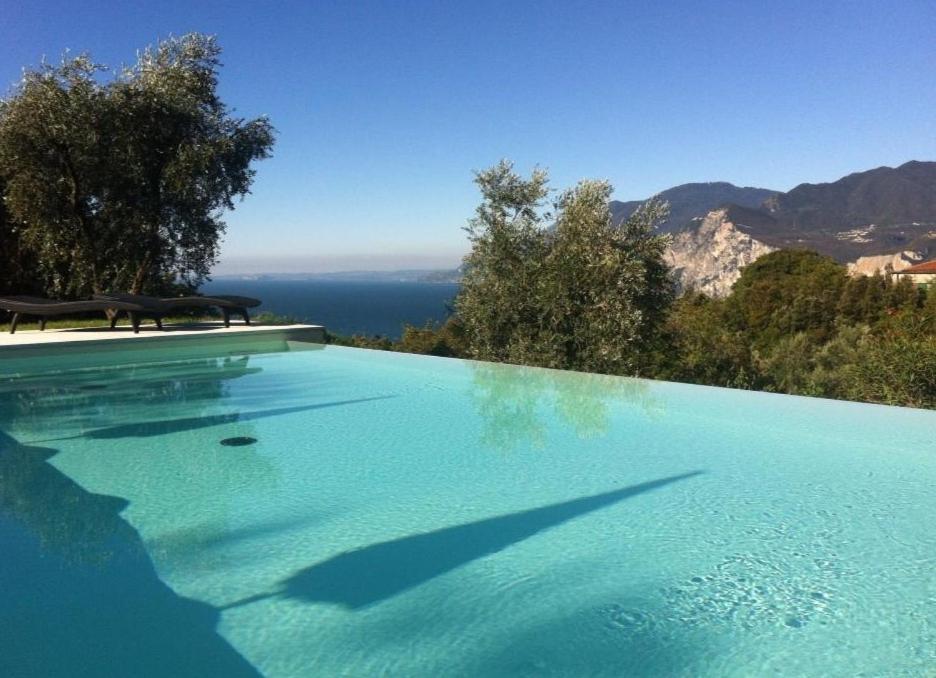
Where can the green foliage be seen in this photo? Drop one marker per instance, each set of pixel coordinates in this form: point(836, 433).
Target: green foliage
point(120, 183)
point(270, 318)
point(902, 295)
point(861, 338)
point(570, 291)
point(929, 310)
point(896, 365)
point(360, 341)
point(789, 366)
point(604, 290)
point(702, 348)
point(851, 307)
point(497, 305)
point(445, 340)
point(784, 293)
point(891, 360)
point(52, 131)
point(831, 362)
point(17, 262)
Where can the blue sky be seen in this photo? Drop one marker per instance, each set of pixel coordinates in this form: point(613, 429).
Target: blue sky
point(384, 109)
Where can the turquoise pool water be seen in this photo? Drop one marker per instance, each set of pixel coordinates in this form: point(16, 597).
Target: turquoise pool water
point(341, 512)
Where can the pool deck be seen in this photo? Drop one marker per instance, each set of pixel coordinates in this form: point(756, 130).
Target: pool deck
point(149, 333)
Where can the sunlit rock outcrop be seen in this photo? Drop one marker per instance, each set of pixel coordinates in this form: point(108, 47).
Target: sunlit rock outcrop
point(709, 257)
point(884, 263)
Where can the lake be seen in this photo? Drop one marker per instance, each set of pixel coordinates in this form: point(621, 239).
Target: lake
point(347, 307)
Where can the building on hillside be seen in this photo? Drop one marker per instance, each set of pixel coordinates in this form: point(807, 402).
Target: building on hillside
point(923, 274)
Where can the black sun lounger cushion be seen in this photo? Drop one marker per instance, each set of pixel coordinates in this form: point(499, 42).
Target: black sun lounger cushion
point(225, 302)
point(47, 308)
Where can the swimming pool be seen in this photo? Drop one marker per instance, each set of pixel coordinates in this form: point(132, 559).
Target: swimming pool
point(347, 512)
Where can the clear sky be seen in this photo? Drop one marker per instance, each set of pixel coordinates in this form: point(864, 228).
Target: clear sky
point(384, 109)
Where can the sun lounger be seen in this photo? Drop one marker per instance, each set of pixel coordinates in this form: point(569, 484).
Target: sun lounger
point(226, 303)
point(47, 308)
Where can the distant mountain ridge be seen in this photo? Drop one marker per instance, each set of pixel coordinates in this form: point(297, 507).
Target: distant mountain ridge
point(883, 217)
point(884, 196)
point(881, 211)
point(690, 202)
point(404, 275)
point(878, 211)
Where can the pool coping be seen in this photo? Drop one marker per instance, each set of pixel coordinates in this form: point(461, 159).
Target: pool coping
point(93, 337)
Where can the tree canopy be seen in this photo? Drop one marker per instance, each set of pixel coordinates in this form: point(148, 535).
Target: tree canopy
point(566, 288)
point(796, 323)
point(17, 262)
point(785, 292)
point(121, 182)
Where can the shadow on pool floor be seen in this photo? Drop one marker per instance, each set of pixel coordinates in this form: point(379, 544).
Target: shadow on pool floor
point(357, 579)
point(79, 595)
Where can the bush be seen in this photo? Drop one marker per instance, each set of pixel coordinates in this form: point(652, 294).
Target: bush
point(701, 348)
point(446, 340)
point(896, 365)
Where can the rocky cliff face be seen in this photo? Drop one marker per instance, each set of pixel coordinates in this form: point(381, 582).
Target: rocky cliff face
point(709, 257)
point(884, 263)
point(876, 220)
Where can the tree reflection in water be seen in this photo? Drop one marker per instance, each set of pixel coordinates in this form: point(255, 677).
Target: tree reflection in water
point(84, 399)
point(516, 408)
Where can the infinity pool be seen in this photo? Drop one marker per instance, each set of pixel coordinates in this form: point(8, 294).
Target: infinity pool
point(341, 512)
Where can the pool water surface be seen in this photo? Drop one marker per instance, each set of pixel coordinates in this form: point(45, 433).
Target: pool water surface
point(349, 512)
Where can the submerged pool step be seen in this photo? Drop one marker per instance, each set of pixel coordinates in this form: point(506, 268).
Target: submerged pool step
point(70, 350)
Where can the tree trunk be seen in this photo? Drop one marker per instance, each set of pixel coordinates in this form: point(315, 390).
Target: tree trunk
point(95, 278)
point(140, 276)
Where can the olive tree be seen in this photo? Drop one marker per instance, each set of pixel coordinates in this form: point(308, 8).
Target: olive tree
point(497, 304)
point(568, 289)
point(53, 160)
point(16, 264)
point(122, 182)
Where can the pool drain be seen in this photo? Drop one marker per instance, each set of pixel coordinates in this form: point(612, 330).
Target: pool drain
point(239, 441)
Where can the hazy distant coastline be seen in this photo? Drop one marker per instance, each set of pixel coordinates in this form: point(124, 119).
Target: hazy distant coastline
point(446, 276)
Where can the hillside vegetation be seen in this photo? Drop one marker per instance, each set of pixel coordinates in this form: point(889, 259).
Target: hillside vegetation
point(580, 291)
point(795, 323)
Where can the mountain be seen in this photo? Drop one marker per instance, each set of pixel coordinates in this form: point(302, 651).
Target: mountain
point(690, 202)
point(881, 211)
point(446, 276)
point(709, 256)
point(884, 196)
point(874, 220)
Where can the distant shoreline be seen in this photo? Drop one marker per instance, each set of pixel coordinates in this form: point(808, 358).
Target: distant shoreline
point(429, 276)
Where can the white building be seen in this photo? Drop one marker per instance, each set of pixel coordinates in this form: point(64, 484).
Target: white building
point(923, 274)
